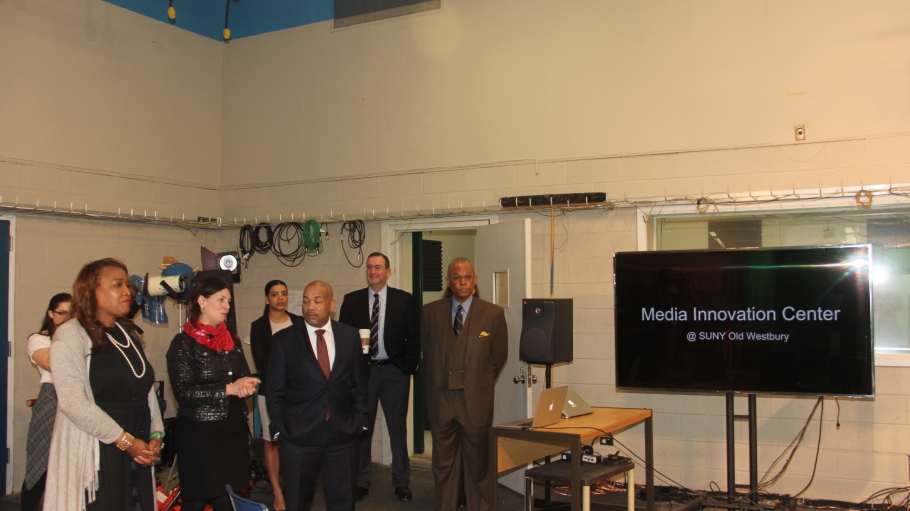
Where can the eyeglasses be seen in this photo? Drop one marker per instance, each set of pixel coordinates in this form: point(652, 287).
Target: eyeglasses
point(60, 313)
point(459, 278)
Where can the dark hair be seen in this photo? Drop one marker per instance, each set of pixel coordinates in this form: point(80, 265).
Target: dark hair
point(206, 287)
point(268, 289)
point(85, 304)
point(380, 254)
point(48, 326)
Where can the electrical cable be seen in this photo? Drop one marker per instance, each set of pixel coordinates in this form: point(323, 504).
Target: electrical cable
point(837, 421)
point(639, 458)
point(258, 245)
point(312, 239)
point(245, 245)
point(288, 243)
point(355, 238)
point(227, 11)
point(821, 418)
point(792, 448)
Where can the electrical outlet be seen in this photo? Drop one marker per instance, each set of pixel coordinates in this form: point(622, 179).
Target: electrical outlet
point(606, 440)
point(800, 131)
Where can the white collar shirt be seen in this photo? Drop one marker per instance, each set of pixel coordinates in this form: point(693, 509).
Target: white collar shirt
point(383, 293)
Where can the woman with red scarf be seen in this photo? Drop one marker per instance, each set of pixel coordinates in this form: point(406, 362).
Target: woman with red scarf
point(210, 377)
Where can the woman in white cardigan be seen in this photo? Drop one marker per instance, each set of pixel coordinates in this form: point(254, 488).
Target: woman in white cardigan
point(108, 427)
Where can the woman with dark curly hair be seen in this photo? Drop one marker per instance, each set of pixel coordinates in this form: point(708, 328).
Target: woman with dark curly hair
point(210, 376)
point(38, 443)
point(108, 427)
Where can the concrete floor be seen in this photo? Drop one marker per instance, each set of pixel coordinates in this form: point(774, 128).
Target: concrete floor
point(382, 496)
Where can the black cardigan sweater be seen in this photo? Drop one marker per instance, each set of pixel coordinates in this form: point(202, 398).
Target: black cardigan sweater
point(261, 346)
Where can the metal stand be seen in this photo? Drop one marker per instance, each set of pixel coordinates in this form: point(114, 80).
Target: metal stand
point(731, 448)
point(546, 483)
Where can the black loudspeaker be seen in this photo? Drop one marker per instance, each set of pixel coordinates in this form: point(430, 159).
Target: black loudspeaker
point(546, 330)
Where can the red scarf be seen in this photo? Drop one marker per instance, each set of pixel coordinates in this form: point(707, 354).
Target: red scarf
point(216, 338)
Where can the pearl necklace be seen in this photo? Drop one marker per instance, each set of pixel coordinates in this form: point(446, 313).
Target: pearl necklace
point(120, 348)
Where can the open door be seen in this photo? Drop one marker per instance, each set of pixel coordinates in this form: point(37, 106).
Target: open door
point(503, 268)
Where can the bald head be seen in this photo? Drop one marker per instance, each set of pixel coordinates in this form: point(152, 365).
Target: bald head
point(461, 279)
point(459, 261)
point(318, 303)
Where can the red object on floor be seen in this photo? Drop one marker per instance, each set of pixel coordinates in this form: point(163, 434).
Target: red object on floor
point(167, 502)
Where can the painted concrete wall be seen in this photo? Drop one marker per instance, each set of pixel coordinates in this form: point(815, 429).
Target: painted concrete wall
point(479, 82)
point(49, 252)
point(91, 86)
point(446, 111)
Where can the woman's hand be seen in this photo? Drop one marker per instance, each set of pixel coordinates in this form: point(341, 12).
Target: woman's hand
point(243, 387)
point(154, 449)
point(142, 453)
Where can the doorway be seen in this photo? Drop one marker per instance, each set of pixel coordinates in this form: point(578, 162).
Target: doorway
point(500, 252)
point(432, 251)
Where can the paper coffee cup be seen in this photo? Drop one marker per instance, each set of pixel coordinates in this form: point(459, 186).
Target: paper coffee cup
point(365, 340)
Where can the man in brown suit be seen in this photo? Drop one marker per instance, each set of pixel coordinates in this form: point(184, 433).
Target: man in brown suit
point(466, 343)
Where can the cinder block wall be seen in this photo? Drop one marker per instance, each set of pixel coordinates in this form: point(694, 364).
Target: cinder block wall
point(49, 253)
point(867, 453)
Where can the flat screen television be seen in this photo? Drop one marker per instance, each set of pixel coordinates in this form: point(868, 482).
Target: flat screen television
point(770, 321)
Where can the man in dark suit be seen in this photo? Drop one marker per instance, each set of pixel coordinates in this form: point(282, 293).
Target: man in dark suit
point(466, 343)
point(317, 402)
point(394, 354)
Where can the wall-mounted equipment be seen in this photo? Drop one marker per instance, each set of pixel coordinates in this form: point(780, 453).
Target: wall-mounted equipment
point(229, 261)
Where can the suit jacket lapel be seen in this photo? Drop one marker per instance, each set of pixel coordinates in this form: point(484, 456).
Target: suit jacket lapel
point(307, 349)
point(469, 329)
point(367, 312)
point(385, 326)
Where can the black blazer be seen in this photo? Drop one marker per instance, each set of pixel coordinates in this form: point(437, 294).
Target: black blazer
point(199, 378)
point(299, 392)
point(261, 346)
point(401, 332)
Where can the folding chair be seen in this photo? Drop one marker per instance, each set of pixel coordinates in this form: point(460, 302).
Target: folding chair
point(242, 504)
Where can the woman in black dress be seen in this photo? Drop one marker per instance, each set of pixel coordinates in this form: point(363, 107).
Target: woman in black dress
point(274, 318)
point(210, 376)
point(107, 432)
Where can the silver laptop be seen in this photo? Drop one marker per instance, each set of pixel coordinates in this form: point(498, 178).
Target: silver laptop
point(549, 410)
point(575, 406)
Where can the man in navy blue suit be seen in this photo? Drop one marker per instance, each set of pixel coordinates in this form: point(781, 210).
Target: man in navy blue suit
point(317, 402)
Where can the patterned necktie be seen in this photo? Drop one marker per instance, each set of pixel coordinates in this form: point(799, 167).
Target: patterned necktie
point(322, 355)
point(459, 320)
point(374, 328)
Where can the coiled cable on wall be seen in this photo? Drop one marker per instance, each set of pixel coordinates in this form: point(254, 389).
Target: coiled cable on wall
point(251, 240)
point(312, 240)
point(356, 235)
point(287, 243)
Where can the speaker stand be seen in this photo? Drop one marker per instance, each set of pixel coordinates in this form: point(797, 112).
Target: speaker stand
point(546, 483)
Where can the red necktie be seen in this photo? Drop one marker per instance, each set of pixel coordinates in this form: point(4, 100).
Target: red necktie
point(322, 355)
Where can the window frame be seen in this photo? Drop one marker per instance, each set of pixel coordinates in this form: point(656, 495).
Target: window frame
point(648, 231)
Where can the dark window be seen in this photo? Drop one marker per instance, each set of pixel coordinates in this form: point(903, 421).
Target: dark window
point(352, 12)
point(734, 234)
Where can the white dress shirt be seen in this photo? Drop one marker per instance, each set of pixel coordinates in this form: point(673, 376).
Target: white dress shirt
point(383, 293)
